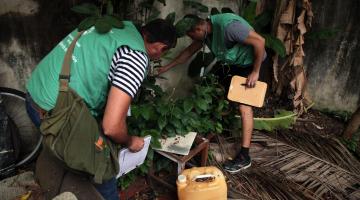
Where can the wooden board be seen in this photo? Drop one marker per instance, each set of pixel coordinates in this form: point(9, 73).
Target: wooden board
point(250, 96)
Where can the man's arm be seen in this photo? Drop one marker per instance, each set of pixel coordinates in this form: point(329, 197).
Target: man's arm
point(182, 57)
point(258, 43)
point(114, 121)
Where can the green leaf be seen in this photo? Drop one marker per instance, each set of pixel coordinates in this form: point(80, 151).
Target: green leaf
point(162, 1)
point(150, 154)
point(102, 26)
point(283, 120)
point(87, 8)
point(109, 8)
point(87, 23)
point(163, 109)
point(170, 18)
point(226, 10)
point(275, 44)
point(177, 112)
point(187, 105)
point(214, 11)
point(143, 168)
point(145, 112)
point(262, 20)
point(162, 122)
point(249, 13)
point(196, 5)
point(113, 21)
point(202, 104)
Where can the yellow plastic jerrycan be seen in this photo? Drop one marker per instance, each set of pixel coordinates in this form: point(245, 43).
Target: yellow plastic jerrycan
point(201, 183)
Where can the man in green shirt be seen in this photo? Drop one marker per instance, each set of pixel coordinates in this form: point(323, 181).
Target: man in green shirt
point(233, 42)
point(106, 72)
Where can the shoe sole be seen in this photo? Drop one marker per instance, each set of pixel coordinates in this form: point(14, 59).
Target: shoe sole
point(236, 171)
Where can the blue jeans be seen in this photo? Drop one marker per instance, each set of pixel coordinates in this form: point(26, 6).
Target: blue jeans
point(107, 189)
point(31, 111)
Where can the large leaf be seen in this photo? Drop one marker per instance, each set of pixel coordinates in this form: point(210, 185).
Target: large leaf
point(187, 105)
point(274, 44)
point(170, 18)
point(114, 21)
point(282, 120)
point(262, 20)
point(202, 104)
point(109, 8)
point(87, 23)
point(226, 10)
point(249, 13)
point(214, 11)
point(102, 26)
point(162, 122)
point(196, 5)
point(87, 8)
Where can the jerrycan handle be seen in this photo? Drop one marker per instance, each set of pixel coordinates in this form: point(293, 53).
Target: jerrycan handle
point(204, 178)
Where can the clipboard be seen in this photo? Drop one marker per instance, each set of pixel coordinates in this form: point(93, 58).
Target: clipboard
point(238, 92)
point(129, 160)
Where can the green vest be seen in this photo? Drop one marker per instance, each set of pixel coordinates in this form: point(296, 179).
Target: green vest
point(240, 54)
point(90, 66)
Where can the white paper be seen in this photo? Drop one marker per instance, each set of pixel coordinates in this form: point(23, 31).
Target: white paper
point(129, 160)
point(178, 144)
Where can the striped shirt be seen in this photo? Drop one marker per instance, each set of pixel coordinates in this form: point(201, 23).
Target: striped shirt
point(127, 70)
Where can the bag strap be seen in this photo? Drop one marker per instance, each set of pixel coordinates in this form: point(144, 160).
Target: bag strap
point(64, 76)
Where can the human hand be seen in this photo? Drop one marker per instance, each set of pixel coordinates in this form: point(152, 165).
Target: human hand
point(251, 79)
point(161, 70)
point(136, 144)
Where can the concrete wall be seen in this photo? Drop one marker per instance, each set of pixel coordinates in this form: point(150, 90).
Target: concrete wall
point(31, 28)
point(333, 64)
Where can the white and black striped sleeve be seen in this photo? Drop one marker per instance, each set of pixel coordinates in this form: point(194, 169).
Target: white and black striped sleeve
point(127, 70)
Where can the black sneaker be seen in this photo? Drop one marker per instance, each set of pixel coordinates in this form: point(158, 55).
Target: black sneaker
point(239, 163)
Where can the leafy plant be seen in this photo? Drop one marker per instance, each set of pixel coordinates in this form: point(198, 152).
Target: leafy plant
point(155, 113)
point(102, 22)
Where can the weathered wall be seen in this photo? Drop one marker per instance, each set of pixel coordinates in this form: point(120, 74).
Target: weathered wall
point(29, 30)
point(333, 65)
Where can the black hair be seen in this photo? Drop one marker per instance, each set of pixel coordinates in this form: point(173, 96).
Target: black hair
point(160, 30)
point(196, 20)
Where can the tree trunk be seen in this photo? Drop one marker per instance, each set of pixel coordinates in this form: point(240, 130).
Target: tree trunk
point(353, 125)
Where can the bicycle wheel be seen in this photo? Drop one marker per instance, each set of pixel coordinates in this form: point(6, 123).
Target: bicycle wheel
point(29, 138)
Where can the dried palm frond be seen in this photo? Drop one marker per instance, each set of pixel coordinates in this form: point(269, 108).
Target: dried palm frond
point(285, 171)
point(310, 172)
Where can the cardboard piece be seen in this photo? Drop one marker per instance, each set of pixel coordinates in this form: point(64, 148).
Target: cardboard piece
point(179, 144)
point(238, 92)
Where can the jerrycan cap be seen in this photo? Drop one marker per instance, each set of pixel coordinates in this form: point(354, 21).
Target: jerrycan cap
point(181, 178)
